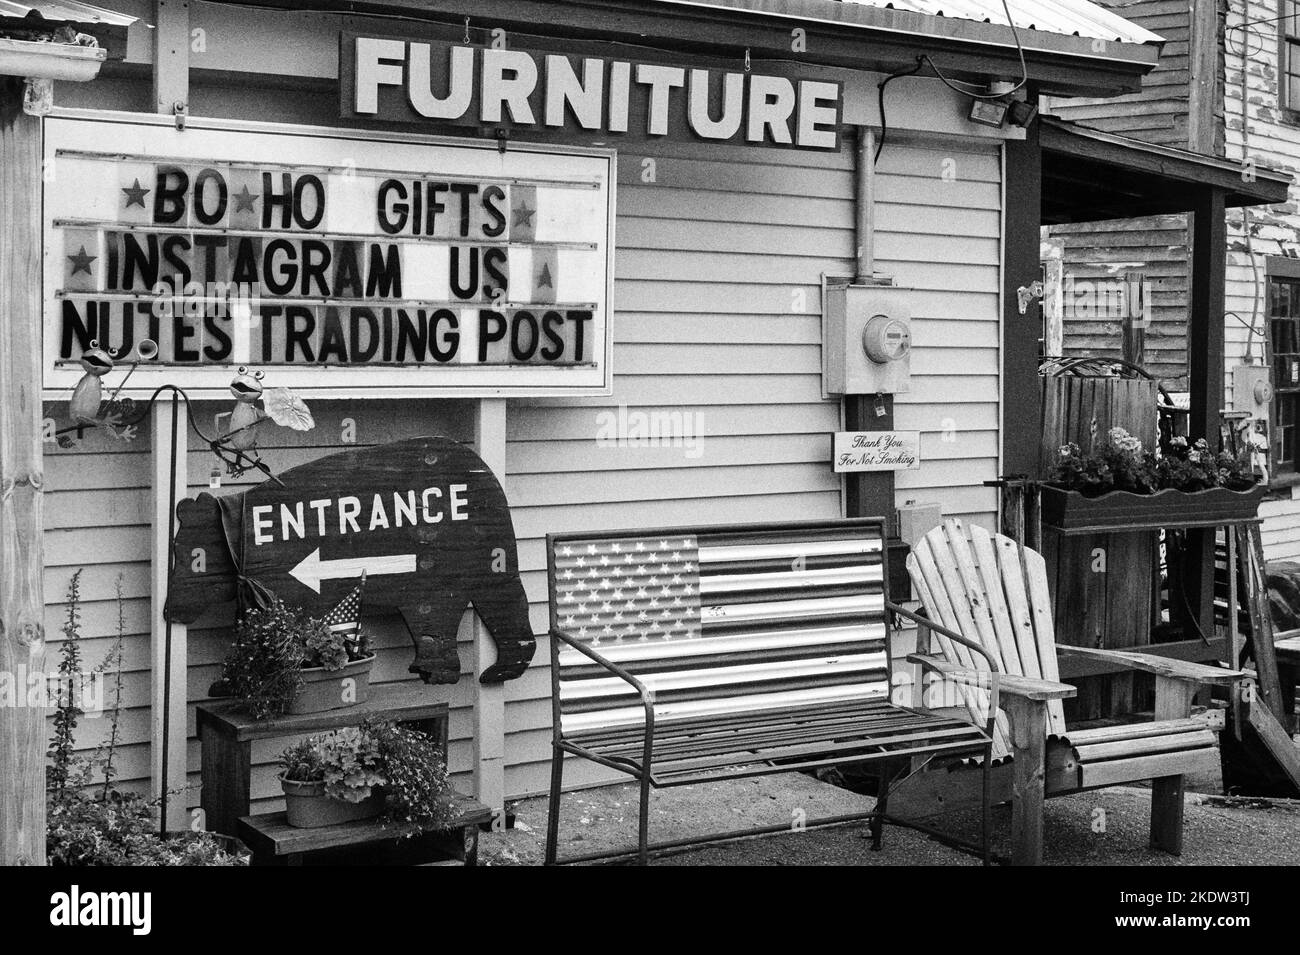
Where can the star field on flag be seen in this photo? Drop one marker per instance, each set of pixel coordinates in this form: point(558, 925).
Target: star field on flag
point(635, 589)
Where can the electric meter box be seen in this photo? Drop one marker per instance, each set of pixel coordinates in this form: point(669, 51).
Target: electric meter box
point(1252, 390)
point(867, 340)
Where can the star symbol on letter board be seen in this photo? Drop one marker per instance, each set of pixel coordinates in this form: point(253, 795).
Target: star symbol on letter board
point(244, 200)
point(135, 194)
point(523, 216)
point(81, 261)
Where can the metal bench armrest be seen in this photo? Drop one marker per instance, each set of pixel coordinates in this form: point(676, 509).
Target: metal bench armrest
point(994, 677)
point(646, 694)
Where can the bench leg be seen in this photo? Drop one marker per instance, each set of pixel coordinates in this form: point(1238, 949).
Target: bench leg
point(643, 823)
point(1167, 814)
point(553, 805)
point(882, 804)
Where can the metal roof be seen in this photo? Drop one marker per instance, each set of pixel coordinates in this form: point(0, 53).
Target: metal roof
point(66, 12)
point(1066, 17)
point(1040, 19)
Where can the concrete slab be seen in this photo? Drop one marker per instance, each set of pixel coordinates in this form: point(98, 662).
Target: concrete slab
point(1105, 827)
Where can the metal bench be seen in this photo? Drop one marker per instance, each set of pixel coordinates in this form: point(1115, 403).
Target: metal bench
point(686, 654)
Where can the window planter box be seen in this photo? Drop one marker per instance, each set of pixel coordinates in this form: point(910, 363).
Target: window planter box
point(1119, 511)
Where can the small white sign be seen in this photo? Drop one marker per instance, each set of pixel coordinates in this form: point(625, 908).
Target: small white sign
point(877, 451)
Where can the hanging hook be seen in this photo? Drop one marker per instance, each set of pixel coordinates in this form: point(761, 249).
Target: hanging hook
point(746, 59)
point(467, 31)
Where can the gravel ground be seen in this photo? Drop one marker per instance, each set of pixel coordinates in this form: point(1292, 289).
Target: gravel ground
point(1103, 827)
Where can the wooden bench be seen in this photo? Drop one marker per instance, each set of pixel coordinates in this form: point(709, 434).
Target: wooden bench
point(995, 592)
point(686, 654)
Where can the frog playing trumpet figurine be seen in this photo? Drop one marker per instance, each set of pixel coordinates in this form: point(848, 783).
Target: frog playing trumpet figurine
point(87, 407)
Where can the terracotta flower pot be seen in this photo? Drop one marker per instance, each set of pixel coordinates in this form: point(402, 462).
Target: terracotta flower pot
point(1118, 511)
point(333, 689)
point(307, 806)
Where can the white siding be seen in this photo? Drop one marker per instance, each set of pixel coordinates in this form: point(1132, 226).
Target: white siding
point(714, 260)
point(1270, 141)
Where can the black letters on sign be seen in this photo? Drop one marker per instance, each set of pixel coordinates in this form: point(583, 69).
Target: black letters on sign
point(425, 519)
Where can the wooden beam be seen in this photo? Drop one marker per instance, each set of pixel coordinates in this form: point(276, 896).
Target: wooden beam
point(171, 55)
point(1205, 357)
point(489, 699)
point(22, 603)
point(168, 647)
point(1203, 76)
point(1023, 175)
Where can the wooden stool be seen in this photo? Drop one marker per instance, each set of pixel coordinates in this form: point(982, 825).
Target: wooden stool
point(366, 841)
point(226, 733)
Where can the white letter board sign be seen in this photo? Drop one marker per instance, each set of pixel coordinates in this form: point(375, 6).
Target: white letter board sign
point(337, 264)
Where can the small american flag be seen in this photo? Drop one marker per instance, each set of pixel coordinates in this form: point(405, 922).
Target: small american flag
point(346, 617)
point(632, 589)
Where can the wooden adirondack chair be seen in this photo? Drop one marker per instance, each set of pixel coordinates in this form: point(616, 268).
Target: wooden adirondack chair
point(994, 591)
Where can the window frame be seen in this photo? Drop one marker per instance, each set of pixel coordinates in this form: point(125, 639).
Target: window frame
point(1287, 43)
point(1282, 269)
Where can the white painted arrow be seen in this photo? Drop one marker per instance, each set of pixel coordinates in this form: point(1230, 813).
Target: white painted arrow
point(311, 570)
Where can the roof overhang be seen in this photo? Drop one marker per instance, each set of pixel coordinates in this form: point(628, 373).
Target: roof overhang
point(107, 26)
point(1090, 175)
point(849, 35)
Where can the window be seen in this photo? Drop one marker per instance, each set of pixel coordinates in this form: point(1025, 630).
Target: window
point(1284, 326)
point(1288, 37)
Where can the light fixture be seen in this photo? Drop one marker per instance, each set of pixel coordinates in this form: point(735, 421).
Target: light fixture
point(1022, 114)
point(988, 112)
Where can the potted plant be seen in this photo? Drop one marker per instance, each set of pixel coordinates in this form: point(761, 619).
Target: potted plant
point(1122, 486)
point(284, 661)
point(359, 773)
point(332, 778)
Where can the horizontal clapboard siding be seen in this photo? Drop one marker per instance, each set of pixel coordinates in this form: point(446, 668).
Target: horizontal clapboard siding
point(1158, 112)
point(1270, 140)
point(718, 329)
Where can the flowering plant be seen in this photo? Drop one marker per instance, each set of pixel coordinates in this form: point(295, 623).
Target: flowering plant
point(355, 762)
point(1121, 463)
point(272, 646)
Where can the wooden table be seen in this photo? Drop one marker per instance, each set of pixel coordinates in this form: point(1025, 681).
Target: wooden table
point(226, 733)
point(368, 841)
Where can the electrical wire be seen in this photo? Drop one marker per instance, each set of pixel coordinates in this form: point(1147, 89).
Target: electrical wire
point(880, 88)
point(967, 89)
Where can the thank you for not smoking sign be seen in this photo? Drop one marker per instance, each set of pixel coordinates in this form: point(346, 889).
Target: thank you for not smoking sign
point(877, 451)
point(330, 262)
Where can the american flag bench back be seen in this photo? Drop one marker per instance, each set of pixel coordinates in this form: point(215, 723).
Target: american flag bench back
point(718, 620)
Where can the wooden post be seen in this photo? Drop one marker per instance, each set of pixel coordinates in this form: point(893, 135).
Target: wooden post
point(1029, 772)
point(489, 700)
point(1205, 379)
point(22, 603)
point(168, 646)
point(168, 641)
point(1173, 702)
point(1021, 398)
